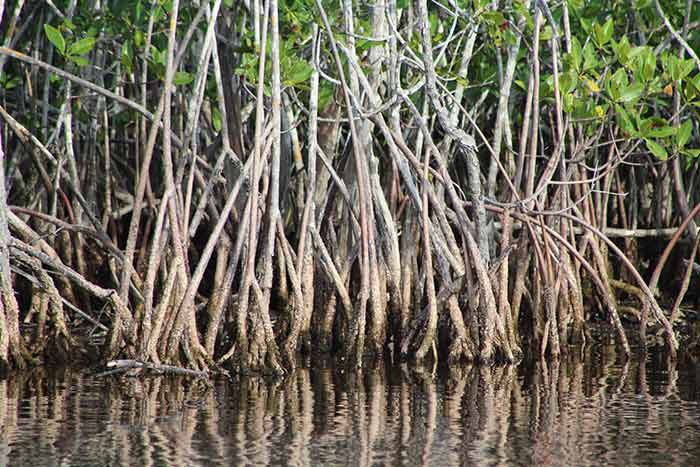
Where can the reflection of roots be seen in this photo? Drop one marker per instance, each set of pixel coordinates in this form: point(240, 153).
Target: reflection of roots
point(396, 414)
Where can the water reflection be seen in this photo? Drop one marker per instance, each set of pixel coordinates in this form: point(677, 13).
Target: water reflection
point(588, 410)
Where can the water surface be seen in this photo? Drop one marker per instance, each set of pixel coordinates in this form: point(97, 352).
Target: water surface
point(587, 410)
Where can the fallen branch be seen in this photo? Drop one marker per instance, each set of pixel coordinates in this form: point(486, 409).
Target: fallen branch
point(120, 366)
point(615, 232)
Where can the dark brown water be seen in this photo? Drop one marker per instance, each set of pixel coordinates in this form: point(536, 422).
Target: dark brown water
point(585, 411)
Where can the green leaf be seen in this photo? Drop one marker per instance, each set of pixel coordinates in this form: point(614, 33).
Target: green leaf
point(644, 63)
point(631, 93)
point(615, 82)
point(325, 94)
point(625, 121)
point(138, 38)
point(576, 53)
point(139, 12)
point(667, 64)
point(575, 4)
point(592, 85)
point(649, 65)
point(568, 103)
point(587, 24)
point(622, 50)
point(78, 60)
point(82, 47)
point(56, 38)
point(68, 24)
point(8, 83)
point(298, 73)
point(608, 29)
point(636, 52)
point(601, 110)
point(590, 57)
point(510, 37)
point(691, 87)
point(158, 14)
point(662, 132)
point(656, 149)
point(568, 81)
point(434, 22)
point(216, 119)
point(546, 34)
point(695, 80)
point(493, 18)
point(127, 56)
point(686, 67)
point(159, 56)
point(167, 5)
point(684, 133)
point(692, 153)
point(603, 33)
point(182, 77)
point(677, 68)
point(547, 86)
point(647, 125)
point(620, 78)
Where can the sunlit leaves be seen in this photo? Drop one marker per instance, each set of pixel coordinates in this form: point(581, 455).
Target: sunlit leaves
point(643, 63)
point(691, 154)
point(622, 50)
point(182, 78)
point(8, 82)
point(590, 57)
point(546, 34)
point(603, 69)
point(494, 21)
point(325, 94)
point(631, 93)
point(75, 51)
point(56, 38)
point(127, 56)
point(676, 68)
point(216, 119)
point(78, 60)
point(568, 81)
point(662, 132)
point(625, 122)
point(592, 86)
point(685, 131)
point(576, 55)
point(620, 66)
point(82, 47)
point(603, 33)
point(297, 72)
point(568, 102)
point(656, 149)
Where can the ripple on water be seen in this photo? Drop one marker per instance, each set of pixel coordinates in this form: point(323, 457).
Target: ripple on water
point(594, 411)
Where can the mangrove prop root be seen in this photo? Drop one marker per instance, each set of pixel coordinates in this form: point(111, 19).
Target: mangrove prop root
point(347, 199)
